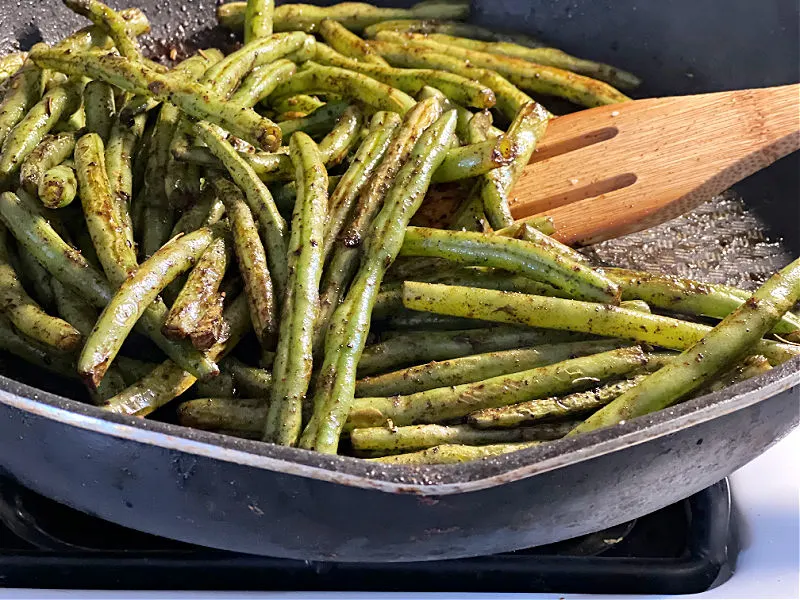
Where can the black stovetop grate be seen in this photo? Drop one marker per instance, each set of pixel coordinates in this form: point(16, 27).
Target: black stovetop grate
point(680, 549)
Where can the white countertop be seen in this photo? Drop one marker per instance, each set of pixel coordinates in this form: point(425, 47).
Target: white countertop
point(766, 493)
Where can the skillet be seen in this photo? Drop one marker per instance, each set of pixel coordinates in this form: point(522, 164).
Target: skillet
point(251, 497)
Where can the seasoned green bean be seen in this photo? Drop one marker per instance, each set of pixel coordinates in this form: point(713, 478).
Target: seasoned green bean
point(293, 357)
point(347, 43)
point(110, 21)
point(196, 99)
point(98, 102)
point(272, 226)
point(473, 160)
point(520, 141)
point(442, 404)
point(717, 349)
point(450, 454)
point(335, 146)
point(250, 381)
point(347, 334)
point(258, 19)
point(518, 256)
point(687, 296)
point(552, 409)
point(14, 343)
point(262, 81)
point(10, 64)
point(751, 366)
point(36, 277)
point(58, 187)
point(353, 15)
point(363, 165)
point(299, 103)
point(224, 76)
point(449, 27)
point(419, 437)
point(539, 79)
point(167, 381)
point(199, 292)
point(320, 121)
point(550, 57)
point(26, 315)
point(252, 262)
point(570, 315)
point(24, 91)
point(510, 99)
point(476, 367)
point(74, 309)
point(122, 141)
point(226, 414)
point(459, 89)
point(51, 152)
point(32, 128)
point(133, 298)
point(313, 78)
point(344, 262)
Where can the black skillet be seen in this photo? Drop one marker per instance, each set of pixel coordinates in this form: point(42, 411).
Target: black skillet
point(247, 496)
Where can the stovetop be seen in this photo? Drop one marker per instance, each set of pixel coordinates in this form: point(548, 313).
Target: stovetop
point(683, 548)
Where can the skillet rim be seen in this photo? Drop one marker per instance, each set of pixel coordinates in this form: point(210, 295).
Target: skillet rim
point(434, 480)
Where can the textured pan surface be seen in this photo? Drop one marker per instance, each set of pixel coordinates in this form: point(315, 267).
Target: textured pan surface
point(723, 241)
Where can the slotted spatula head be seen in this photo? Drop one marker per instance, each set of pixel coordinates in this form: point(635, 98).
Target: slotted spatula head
point(613, 170)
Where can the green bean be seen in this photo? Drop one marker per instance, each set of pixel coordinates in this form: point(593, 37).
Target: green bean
point(194, 98)
point(347, 43)
point(38, 237)
point(347, 334)
point(299, 103)
point(550, 57)
point(539, 79)
point(73, 309)
point(140, 104)
point(51, 152)
point(251, 381)
point(510, 99)
point(442, 404)
point(36, 277)
point(688, 296)
point(466, 30)
point(227, 414)
point(543, 225)
point(24, 91)
point(473, 160)
point(717, 349)
point(313, 78)
point(520, 141)
point(199, 292)
point(335, 146)
point(10, 64)
point(260, 202)
point(133, 298)
point(344, 262)
point(58, 187)
point(459, 89)
point(751, 366)
point(518, 256)
point(262, 81)
point(269, 167)
point(110, 21)
point(224, 76)
point(14, 343)
point(208, 210)
point(477, 367)
point(98, 102)
point(419, 437)
point(252, 262)
point(364, 164)
point(569, 315)
point(122, 141)
point(26, 315)
point(420, 347)
point(168, 381)
point(258, 19)
point(353, 15)
point(552, 409)
point(450, 454)
point(293, 358)
point(30, 131)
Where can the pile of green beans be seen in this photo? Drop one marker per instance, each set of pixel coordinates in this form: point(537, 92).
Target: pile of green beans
point(233, 231)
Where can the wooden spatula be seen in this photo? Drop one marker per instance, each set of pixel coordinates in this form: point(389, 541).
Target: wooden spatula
point(612, 170)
